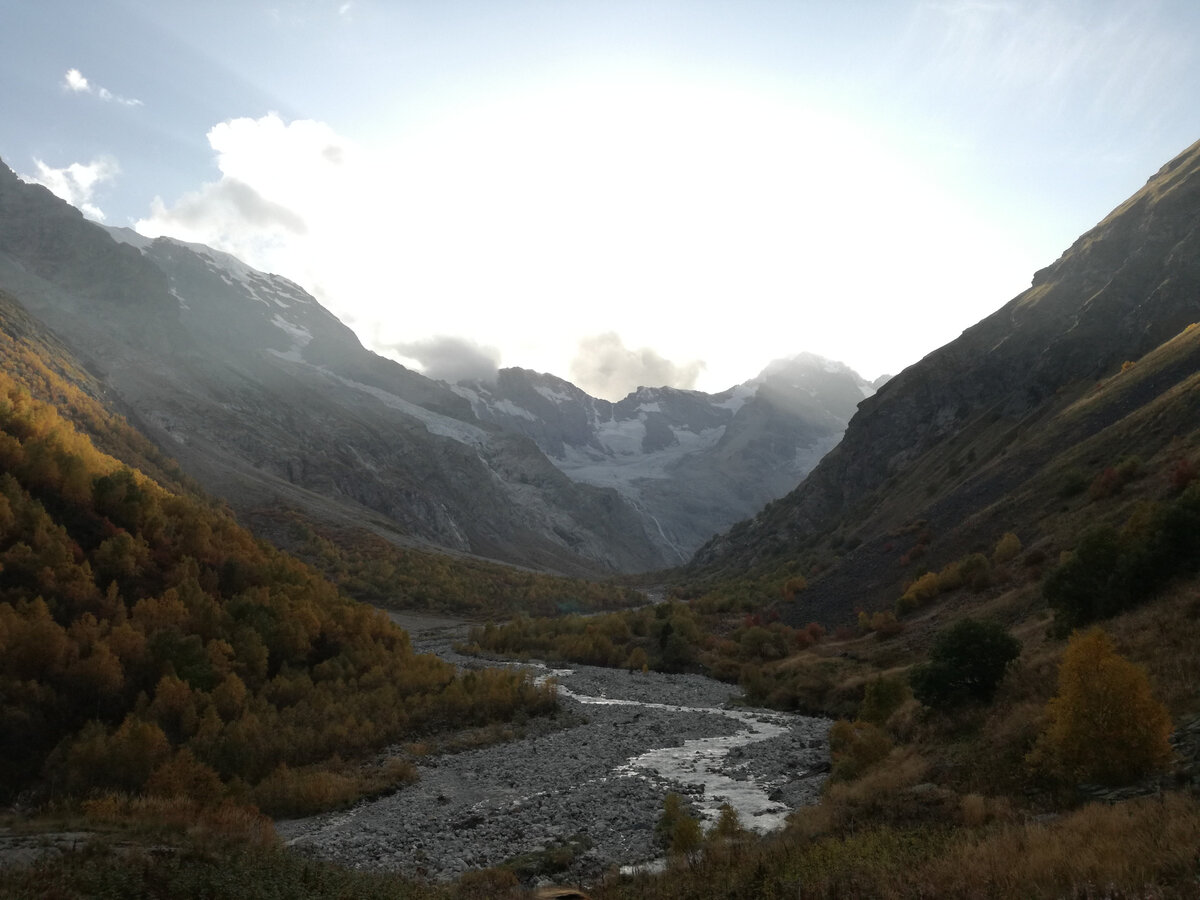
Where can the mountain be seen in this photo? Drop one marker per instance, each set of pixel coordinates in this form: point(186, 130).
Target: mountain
point(269, 401)
point(690, 463)
point(1092, 365)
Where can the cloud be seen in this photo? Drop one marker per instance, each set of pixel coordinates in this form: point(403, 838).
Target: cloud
point(453, 359)
point(75, 82)
point(223, 209)
point(76, 183)
point(278, 183)
point(605, 367)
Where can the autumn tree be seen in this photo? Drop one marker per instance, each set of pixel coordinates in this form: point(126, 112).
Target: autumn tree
point(1104, 724)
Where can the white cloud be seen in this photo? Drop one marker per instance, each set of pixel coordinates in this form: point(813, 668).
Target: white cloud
point(692, 219)
point(452, 359)
point(280, 192)
point(75, 82)
point(605, 367)
point(76, 183)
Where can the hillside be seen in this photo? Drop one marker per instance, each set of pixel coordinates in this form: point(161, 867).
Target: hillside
point(1089, 366)
point(150, 645)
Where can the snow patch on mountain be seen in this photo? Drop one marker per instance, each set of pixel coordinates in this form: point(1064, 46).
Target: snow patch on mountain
point(738, 396)
point(435, 423)
point(625, 464)
point(301, 337)
point(556, 397)
point(509, 408)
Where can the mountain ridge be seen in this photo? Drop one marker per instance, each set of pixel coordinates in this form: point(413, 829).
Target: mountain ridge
point(269, 400)
point(1120, 291)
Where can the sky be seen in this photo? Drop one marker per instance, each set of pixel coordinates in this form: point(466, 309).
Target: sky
point(620, 193)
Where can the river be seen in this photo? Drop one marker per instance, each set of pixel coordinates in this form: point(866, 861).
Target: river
point(598, 783)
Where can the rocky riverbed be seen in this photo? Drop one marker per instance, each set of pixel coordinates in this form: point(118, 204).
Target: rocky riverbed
point(596, 785)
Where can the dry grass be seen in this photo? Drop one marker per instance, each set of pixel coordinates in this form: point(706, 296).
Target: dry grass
point(1163, 637)
point(225, 822)
point(1126, 847)
point(885, 794)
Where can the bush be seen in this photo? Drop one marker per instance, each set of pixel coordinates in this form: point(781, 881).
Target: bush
point(976, 572)
point(967, 663)
point(881, 698)
point(1111, 572)
point(1007, 548)
point(854, 747)
point(918, 593)
point(1104, 724)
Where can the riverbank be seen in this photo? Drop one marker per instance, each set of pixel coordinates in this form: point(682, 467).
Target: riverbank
point(597, 784)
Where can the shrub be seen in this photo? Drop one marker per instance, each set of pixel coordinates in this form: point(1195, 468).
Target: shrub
point(1110, 572)
point(976, 572)
point(1007, 548)
point(1105, 484)
point(950, 578)
point(1082, 588)
point(918, 593)
point(793, 586)
point(1104, 724)
point(967, 662)
point(881, 698)
point(883, 623)
point(854, 747)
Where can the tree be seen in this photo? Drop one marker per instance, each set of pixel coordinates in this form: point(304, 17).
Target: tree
point(1084, 587)
point(677, 828)
point(728, 825)
point(967, 663)
point(1104, 723)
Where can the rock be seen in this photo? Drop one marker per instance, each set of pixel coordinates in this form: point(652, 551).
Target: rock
point(489, 794)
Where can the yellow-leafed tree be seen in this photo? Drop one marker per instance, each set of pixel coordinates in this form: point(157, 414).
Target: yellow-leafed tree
point(1105, 724)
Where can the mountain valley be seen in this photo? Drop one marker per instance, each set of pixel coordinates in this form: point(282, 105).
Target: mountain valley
point(953, 572)
point(269, 401)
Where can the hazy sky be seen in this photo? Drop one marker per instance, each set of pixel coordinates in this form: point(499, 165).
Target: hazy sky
point(620, 193)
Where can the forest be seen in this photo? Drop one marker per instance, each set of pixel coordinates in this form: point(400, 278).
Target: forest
point(150, 645)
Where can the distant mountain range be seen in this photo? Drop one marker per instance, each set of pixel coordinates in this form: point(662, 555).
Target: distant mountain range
point(691, 463)
point(269, 401)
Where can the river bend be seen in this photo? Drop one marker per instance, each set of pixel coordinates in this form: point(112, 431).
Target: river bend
point(639, 735)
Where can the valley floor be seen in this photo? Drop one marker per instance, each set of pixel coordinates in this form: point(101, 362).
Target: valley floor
point(589, 793)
